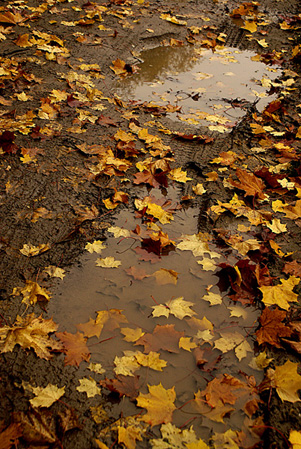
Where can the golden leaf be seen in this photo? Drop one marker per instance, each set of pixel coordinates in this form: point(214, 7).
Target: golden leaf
point(88, 386)
point(187, 344)
point(164, 276)
point(287, 381)
point(44, 396)
point(31, 293)
point(30, 250)
point(108, 262)
point(280, 294)
point(295, 439)
point(97, 246)
point(159, 403)
point(177, 307)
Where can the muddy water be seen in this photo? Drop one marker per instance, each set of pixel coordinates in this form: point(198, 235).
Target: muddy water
point(88, 289)
point(201, 82)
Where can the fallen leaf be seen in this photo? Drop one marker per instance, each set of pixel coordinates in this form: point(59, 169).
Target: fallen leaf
point(32, 293)
point(163, 337)
point(75, 348)
point(128, 435)
point(88, 386)
point(287, 381)
point(164, 276)
point(10, 436)
point(30, 332)
point(30, 250)
point(123, 385)
point(108, 262)
point(187, 344)
point(159, 403)
point(177, 307)
point(272, 328)
point(44, 396)
point(55, 272)
point(295, 439)
point(173, 437)
point(95, 247)
point(281, 294)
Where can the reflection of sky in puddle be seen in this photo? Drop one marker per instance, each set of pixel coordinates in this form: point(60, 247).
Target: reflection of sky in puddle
point(88, 288)
point(199, 81)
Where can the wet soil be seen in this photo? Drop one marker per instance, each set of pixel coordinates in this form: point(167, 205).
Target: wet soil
point(61, 181)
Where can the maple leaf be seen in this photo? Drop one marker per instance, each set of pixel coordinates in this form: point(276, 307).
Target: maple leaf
point(159, 403)
point(123, 385)
point(32, 293)
point(97, 246)
point(272, 327)
point(187, 344)
point(39, 427)
point(151, 360)
point(280, 294)
point(293, 268)
point(286, 380)
point(119, 232)
point(213, 298)
point(177, 307)
point(198, 244)
point(132, 335)
point(128, 436)
point(44, 396)
point(252, 185)
point(177, 174)
point(163, 337)
point(295, 439)
point(127, 364)
point(137, 273)
point(233, 340)
point(75, 348)
point(110, 318)
point(30, 250)
point(54, 271)
point(89, 387)
point(199, 189)
point(108, 262)
point(226, 440)
point(30, 332)
point(173, 437)
point(10, 436)
point(217, 413)
point(221, 389)
point(164, 276)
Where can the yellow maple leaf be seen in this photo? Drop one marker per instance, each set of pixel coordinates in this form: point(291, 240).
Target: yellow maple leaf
point(295, 439)
point(187, 344)
point(177, 174)
point(30, 250)
point(150, 360)
point(30, 332)
point(172, 19)
point(55, 272)
point(226, 440)
point(164, 276)
point(276, 226)
point(132, 335)
point(97, 246)
point(287, 381)
point(88, 386)
point(159, 403)
point(108, 262)
point(32, 293)
point(128, 436)
point(199, 189)
point(280, 294)
point(250, 26)
point(44, 396)
point(177, 307)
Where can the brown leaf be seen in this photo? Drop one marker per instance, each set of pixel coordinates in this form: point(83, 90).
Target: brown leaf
point(10, 436)
point(272, 327)
point(163, 337)
point(123, 385)
point(75, 346)
point(248, 182)
point(136, 273)
point(293, 268)
point(39, 428)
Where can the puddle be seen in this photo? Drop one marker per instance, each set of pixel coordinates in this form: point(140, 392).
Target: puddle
point(210, 87)
point(88, 289)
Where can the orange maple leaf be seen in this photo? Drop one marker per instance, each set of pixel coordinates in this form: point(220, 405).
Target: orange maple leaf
point(252, 185)
point(272, 327)
point(75, 346)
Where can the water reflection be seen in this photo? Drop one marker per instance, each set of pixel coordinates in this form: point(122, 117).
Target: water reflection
point(202, 82)
point(88, 289)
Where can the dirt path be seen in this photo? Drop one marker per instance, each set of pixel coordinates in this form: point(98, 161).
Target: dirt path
point(69, 147)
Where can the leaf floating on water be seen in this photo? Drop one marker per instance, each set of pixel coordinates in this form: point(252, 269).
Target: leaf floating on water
point(159, 403)
point(177, 307)
point(108, 262)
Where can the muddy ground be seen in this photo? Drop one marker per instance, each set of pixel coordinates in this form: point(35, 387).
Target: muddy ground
point(58, 179)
